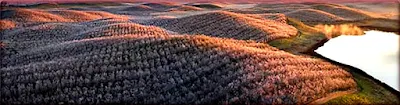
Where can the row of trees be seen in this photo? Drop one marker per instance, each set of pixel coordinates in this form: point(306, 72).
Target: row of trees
point(227, 25)
point(312, 15)
point(170, 70)
point(25, 39)
point(31, 15)
point(344, 12)
point(116, 61)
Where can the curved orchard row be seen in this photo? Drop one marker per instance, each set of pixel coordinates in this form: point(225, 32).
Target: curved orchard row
point(308, 15)
point(345, 12)
point(171, 70)
point(31, 15)
point(52, 33)
point(226, 25)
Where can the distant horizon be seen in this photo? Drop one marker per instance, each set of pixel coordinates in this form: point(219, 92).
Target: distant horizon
point(185, 1)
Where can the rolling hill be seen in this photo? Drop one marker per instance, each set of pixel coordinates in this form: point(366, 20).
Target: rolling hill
point(138, 8)
point(207, 5)
point(272, 16)
point(64, 59)
point(31, 15)
point(167, 53)
point(28, 37)
point(227, 25)
point(348, 13)
point(6, 24)
point(146, 69)
point(186, 8)
point(312, 15)
point(162, 5)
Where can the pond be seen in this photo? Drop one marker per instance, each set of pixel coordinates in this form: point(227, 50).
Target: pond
point(376, 53)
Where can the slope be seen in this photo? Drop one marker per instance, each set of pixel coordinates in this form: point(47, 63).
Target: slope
point(228, 25)
point(138, 8)
point(41, 34)
point(345, 12)
point(35, 15)
point(183, 69)
point(185, 8)
point(312, 15)
point(161, 6)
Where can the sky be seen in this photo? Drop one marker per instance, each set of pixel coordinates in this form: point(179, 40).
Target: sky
point(233, 1)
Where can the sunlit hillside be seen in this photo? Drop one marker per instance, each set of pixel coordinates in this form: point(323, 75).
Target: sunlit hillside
point(189, 53)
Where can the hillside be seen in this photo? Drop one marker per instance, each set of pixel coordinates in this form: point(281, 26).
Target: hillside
point(272, 16)
point(32, 15)
point(207, 5)
point(138, 8)
point(312, 15)
point(161, 6)
point(158, 70)
point(62, 58)
point(389, 10)
point(192, 53)
point(56, 32)
point(186, 8)
point(346, 12)
point(6, 24)
point(228, 25)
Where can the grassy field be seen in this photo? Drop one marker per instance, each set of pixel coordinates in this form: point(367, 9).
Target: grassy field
point(369, 93)
point(306, 38)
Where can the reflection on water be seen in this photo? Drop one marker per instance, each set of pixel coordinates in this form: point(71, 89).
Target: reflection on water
point(332, 31)
point(376, 53)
